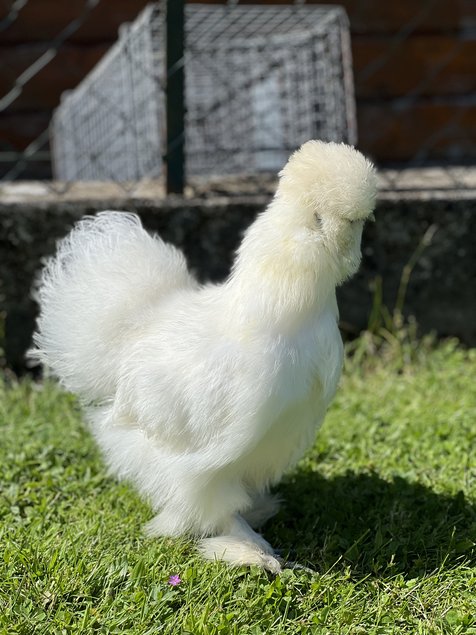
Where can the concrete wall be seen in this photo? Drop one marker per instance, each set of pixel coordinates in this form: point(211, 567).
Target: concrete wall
point(209, 221)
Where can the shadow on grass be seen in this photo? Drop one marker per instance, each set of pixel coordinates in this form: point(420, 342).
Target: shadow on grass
point(375, 526)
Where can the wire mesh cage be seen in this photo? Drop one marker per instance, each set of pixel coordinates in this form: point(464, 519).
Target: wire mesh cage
point(259, 81)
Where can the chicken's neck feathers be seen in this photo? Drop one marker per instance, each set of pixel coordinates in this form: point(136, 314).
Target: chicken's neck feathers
point(271, 286)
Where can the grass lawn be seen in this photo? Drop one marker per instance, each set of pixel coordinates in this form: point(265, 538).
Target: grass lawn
point(383, 508)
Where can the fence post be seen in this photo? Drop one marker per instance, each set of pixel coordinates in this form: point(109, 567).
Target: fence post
point(175, 96)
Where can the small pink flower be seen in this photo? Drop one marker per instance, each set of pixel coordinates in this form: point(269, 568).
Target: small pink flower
point(174, 580)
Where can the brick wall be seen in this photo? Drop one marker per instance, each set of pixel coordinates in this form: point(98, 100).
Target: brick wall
point(414, 60)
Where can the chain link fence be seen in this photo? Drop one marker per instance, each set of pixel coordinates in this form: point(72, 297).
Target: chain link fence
point(258, 82)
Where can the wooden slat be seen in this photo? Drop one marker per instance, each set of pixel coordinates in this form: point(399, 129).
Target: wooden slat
point(413, 16)
point(44, 19)
point(43, 91)
point(20, 129)
point(430, 65)
point(445, 130)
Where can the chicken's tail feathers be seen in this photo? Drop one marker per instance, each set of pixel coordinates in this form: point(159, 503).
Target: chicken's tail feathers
point(93, 293)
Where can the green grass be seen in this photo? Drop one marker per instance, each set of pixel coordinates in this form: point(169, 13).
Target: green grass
point(383, 507)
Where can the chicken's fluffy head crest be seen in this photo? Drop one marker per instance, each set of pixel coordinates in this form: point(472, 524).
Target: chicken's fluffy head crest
point(325, 194)
point(331, 178)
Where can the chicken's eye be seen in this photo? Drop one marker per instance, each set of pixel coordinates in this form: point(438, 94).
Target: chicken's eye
point(318, 220)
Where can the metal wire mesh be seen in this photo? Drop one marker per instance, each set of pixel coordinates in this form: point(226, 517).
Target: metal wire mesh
point(109, 128)
point(260, 80)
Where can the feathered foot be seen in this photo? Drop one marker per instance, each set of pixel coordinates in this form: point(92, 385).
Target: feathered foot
point(241, 546)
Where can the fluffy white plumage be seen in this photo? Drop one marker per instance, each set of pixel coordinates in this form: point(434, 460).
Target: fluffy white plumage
point(203, 396)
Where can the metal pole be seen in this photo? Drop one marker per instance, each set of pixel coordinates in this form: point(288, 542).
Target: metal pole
point(175, 97)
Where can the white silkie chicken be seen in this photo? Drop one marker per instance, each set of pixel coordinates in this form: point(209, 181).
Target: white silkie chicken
point(203, 396)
